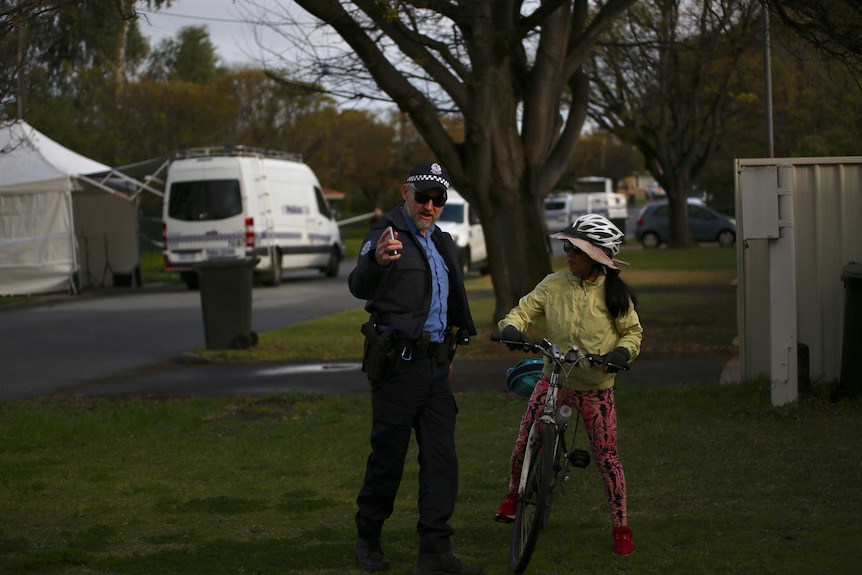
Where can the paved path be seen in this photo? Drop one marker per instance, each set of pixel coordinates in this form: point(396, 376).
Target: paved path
point(187, 377)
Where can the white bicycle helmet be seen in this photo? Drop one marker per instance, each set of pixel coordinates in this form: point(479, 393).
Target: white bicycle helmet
point(597, 237)
point(597, 230)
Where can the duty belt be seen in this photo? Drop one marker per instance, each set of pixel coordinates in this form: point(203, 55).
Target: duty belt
point(424, 347)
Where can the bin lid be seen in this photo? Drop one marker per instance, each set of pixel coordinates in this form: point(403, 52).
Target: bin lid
point(219, 263)
point(853, 270)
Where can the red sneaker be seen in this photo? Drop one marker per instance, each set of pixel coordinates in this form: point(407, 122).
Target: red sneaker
point(623, 544)
point(506, 511)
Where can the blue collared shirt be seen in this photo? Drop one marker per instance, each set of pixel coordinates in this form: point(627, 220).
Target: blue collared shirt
point(439, 311)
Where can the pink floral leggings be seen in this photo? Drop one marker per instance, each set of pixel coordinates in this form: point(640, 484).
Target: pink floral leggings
point(599, 412)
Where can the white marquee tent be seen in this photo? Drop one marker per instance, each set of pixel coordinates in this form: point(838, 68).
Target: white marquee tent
point(66, 221)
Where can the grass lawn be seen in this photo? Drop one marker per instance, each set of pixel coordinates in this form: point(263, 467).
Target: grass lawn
point(719, 481)
point(687, 305)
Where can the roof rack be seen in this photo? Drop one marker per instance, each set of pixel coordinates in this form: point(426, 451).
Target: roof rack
point(230, 150)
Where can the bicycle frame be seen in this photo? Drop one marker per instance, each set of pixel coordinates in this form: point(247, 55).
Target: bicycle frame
point(548, 417)
point(546, 456)
point(545, 467)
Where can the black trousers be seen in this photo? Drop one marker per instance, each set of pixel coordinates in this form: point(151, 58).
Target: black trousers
point(415, 396)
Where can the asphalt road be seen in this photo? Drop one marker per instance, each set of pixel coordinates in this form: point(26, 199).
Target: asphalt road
point(136, 341)
point(80, 342)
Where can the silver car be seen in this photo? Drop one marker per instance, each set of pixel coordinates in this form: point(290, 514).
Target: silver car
point(707, 225)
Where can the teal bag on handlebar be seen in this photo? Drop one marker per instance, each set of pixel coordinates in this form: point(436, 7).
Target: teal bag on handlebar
point(524, 375)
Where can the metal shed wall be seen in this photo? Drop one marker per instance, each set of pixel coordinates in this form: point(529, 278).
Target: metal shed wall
point(827, 204)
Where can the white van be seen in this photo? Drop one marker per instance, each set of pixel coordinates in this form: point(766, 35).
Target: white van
point(460, 220)
point(592, 195)
point(247, 202)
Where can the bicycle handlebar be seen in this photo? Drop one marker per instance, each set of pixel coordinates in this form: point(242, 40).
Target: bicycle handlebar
point(549, 350)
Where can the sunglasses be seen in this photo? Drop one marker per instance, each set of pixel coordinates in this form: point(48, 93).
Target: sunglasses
point(423, 198)
point(567, 247)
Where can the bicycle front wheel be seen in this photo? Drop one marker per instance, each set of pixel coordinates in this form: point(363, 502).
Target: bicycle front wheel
point(534, 502)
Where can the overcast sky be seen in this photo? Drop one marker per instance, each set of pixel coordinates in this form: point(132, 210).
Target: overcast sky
point(231, 29)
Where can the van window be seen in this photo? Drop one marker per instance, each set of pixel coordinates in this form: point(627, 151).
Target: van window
point(202, 200)
point(452, 213)
point(555, 204)
point(590, 186)
point(322, 204)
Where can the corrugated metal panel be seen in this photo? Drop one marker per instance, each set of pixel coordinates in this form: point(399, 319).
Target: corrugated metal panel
point(827, 203)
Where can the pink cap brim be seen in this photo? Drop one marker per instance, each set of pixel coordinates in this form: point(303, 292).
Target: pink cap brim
point(595, 253)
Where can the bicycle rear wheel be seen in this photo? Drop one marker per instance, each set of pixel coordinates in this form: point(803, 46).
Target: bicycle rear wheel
point(534, 503)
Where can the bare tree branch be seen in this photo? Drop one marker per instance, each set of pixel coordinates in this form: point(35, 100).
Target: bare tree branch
point(511, 69)
point(663, 81)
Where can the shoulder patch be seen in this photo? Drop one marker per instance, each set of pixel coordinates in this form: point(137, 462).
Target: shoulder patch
point(366, 247)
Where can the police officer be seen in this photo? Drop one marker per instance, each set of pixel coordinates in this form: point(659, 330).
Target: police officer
point(408, 272)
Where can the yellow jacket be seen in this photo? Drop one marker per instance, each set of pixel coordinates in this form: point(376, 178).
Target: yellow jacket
point(576, 314)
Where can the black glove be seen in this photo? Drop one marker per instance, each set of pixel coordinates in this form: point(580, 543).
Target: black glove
point(619, 356)
point(510, 333)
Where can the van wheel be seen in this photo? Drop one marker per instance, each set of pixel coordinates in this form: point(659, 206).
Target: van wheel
point(190, 279)
point(274, 277)
point(331, 269)
point(464, 259)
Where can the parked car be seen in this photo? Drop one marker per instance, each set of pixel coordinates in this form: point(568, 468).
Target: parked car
point(592, 195)
point(699, 194)
point(707, 225)
point(653, 192)
point(459, 219)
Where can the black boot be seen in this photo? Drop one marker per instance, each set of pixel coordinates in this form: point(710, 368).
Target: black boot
point(443, 564)
point(370, 555)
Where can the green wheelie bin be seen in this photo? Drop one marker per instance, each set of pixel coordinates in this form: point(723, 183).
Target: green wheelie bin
point(226, 289)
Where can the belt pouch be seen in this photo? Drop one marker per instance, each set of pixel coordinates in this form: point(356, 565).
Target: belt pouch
point(377, 353)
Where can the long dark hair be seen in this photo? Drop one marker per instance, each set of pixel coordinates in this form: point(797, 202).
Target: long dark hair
point(618, 294)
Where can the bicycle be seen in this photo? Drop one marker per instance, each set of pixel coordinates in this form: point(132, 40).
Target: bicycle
point(547, 456)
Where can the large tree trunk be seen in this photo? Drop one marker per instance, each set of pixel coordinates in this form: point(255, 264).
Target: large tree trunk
point(507, 68)
point(677, 199)
point(517, 253)
point(680, 233)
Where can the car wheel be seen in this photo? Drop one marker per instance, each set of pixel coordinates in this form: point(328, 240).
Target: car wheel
point(726, 238)
point(650, 240)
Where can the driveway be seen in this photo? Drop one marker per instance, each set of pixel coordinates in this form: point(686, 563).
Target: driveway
point(73, 341)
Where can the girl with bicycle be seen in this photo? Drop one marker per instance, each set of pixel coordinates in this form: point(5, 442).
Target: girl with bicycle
point(589, 306)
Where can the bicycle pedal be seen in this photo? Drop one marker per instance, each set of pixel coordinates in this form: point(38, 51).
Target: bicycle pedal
point(579, 458)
